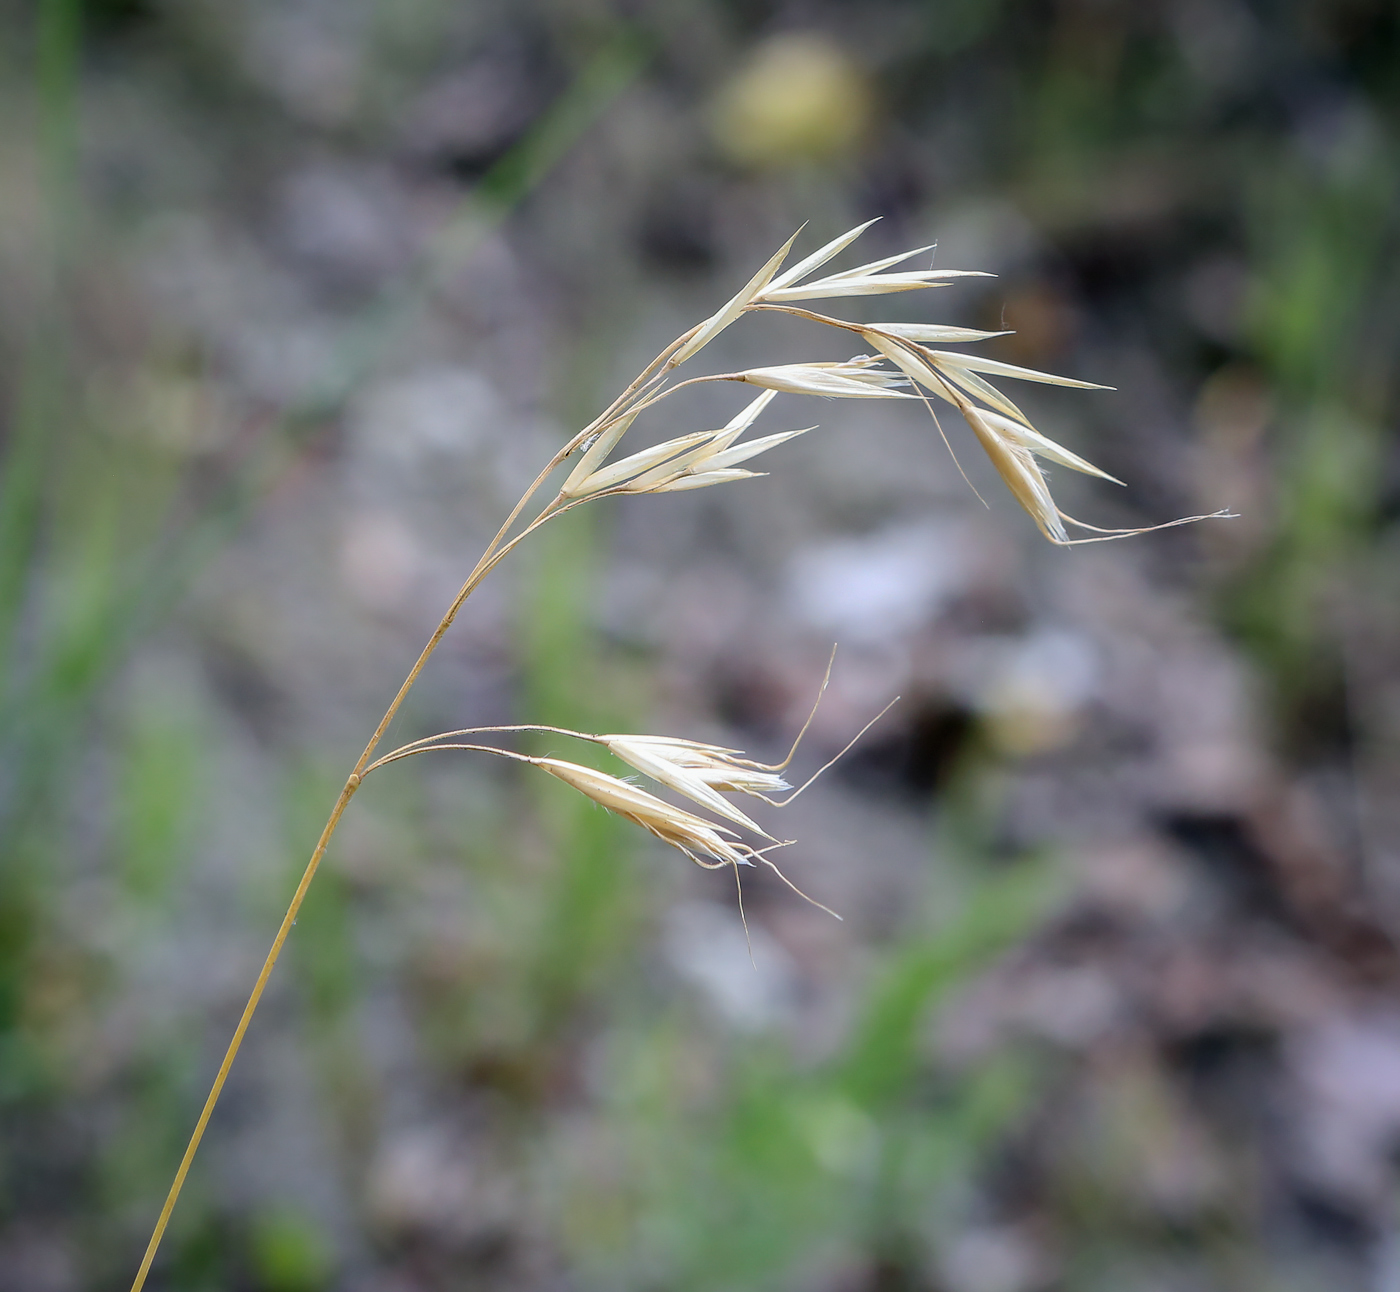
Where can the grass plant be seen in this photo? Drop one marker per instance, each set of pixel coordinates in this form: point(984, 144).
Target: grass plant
point(904, 367)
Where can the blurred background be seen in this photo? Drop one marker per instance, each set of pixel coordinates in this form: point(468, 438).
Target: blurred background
point(296, 297)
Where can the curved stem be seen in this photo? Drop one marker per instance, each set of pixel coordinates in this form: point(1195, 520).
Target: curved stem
point(430, 742)
point(655, 371)
point(812, 316)
point(400, 754)
point(231, 1053)
point(495, 551)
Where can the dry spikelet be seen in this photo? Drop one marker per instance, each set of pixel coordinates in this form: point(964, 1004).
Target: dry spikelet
point(1011, 454)
point(693, 461)
point(1017, 467)
point(627, 471)
point(593, 456)
point(1007, 436)
point(698, 771)
point(716, 323)
point(851, 379)
point(692, 835)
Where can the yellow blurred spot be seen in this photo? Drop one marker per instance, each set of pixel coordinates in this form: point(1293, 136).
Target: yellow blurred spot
point(799, 98)
point(1021, 721)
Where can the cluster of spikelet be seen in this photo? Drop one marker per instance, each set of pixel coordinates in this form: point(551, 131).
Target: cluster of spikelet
point(705, 458)
point(703, 773)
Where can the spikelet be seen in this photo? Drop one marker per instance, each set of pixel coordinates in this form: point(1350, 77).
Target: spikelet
point(698, 771)
point(1009, 441)
point(690, 834)
point(851, 379)
point(694, 461)
point(594, 455)
point(716, 323)
point(864, 280)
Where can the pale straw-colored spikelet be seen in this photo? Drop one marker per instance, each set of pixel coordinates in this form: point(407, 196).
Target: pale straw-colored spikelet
point(716, 323)
point(594, 454)
point(937, 333)
point(706, 844)
point(693, 461)
point(697, 838)
point(720, 767)
point(1003, 430)
point(692, 835)
point(698, 771)
point(851, 379)
point(864, 280)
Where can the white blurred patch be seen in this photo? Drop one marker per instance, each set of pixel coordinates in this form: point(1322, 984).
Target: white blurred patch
point(866, 591)
point(311, 64)
point(1031, 690)
point(430, 1178)
point(1348, 1073)
point(380, 560)
point(992, 1259)
point(705, 944)
point(343, 220)
point(434, 413)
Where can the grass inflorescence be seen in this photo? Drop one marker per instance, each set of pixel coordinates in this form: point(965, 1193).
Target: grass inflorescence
point(904, 366)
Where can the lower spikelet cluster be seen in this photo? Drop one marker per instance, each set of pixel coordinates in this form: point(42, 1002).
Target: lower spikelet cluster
point(703, 773)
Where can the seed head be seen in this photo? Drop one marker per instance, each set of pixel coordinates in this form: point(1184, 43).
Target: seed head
point(692, 835)
point(698, 771)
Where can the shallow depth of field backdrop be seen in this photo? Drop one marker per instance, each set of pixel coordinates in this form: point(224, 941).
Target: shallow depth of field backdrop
point(295, 297)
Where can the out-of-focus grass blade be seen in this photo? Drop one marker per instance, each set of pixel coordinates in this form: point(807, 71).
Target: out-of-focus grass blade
point(884, 1050)
point(22, 473)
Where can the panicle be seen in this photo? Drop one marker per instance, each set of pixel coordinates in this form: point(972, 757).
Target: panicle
point(1005, 433)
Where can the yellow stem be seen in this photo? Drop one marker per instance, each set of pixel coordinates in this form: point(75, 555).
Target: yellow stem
point(231, 1053)
point(493, 554)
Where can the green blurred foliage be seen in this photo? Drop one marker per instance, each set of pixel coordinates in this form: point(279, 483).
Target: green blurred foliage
point(754, 1168)
point(290, 1254)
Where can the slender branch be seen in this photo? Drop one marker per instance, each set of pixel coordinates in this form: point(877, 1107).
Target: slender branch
point(430, 742)
point(655, 371)
point(813, 317)
point(400, 754)
point(681, 385)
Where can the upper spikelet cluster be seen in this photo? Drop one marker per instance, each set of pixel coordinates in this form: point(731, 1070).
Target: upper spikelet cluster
point(905, 365)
